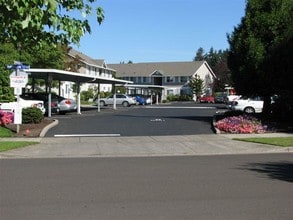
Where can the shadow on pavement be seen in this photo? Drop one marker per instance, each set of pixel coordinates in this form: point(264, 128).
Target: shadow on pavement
point(274, 170)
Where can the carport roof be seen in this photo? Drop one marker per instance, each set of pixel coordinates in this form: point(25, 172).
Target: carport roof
point(63, 75)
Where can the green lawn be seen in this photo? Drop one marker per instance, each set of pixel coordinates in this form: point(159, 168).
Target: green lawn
point(9, 145)
point(4, 132)
point(278, 141)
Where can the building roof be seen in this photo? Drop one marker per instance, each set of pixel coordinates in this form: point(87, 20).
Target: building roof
point(165, 68)
point(88, 60)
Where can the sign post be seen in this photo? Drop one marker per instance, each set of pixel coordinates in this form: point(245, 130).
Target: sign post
point(18, 80)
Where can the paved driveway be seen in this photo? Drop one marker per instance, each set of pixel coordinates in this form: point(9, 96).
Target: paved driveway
point(155, 120)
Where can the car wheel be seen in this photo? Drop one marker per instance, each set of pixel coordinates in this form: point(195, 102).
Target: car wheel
point(125, 104)
point(102, 103)
point(249, 110)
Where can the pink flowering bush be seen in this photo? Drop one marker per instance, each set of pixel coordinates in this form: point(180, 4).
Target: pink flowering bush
point(242, 124)
point(6, 118)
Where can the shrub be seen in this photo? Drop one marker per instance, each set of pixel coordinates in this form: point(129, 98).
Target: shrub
point(185, 97)
point(6, 118)
point(172, 98)
point(32, 115)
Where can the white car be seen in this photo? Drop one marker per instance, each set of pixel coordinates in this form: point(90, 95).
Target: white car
point(248, 105)
point(10, 106)
point(121, 99)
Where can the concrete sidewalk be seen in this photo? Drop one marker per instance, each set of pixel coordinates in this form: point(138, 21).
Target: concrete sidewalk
point(191, 145)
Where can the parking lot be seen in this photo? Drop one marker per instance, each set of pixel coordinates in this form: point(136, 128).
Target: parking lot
point(152, 120)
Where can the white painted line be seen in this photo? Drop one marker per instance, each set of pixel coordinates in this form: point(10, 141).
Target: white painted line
point(87, 135)
point(157, 120)
point(178, 107)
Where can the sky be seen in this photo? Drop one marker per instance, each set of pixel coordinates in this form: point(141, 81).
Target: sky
point(160, 30)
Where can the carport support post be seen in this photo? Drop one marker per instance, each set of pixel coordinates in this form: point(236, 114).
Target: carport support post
point(78, 97)
point(49, 95)
point(114, 98)
point(99, 96)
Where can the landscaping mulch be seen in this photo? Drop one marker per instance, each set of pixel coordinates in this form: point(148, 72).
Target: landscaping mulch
point(29, 130)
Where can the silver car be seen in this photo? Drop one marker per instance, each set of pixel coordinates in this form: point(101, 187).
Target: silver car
point(121, 99)
point(65, 104)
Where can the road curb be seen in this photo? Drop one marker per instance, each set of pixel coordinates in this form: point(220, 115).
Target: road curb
point(48, 127)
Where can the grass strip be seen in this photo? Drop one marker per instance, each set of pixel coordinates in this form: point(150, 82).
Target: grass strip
point(9, 145)
point(4, 132)
point(277, 141)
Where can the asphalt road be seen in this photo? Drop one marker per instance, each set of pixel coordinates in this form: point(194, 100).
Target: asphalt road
point(201, 187)
point(167, 119)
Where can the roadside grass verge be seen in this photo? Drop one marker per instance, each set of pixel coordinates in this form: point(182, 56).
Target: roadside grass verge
point(277, 141)
point(9, 145)
point(4, 132)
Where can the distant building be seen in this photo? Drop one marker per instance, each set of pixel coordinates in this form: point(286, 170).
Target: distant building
point(172, 76)
point(79, 62)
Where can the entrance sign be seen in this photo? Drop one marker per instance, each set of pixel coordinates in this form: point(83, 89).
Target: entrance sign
point(19, 80)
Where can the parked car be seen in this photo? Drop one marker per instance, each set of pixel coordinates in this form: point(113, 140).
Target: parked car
point(248, 105)
point(207, 99)
point(24, 103)
point(64, 104)
point(141, 100)
point(121, 99)
point(41, 96)
point(221, 98)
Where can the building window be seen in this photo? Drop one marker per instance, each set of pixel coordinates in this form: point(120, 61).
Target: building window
point(170, 79)
point(170, 92)
point(144, 79)
point(183, 79)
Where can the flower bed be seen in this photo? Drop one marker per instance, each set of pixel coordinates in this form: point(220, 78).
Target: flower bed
point(6, 118)
point(242, 124)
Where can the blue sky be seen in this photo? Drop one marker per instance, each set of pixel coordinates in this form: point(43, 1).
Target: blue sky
point(160, 30)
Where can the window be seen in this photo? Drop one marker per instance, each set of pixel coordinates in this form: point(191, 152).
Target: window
point(170, 79)
point(183, 79)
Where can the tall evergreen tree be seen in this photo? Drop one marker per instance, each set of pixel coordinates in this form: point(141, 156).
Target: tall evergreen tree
point(265, 26)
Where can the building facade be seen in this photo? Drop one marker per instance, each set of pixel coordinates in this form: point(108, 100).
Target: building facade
point(81, 63)
point(173, 77)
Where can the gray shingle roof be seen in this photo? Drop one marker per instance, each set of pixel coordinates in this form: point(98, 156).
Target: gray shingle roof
point(165, 68)
point(72, 52)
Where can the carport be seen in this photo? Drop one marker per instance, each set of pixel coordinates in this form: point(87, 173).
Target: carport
point(146, 89)
point(61, 75)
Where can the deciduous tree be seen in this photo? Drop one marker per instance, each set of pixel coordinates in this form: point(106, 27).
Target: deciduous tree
point(29, 22)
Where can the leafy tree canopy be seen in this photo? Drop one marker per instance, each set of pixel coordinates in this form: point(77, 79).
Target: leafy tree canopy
point(266, 26)
point(29, 22)
point(38, 57)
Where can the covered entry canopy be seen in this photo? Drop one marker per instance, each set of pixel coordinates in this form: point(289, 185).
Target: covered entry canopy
point(78, 78)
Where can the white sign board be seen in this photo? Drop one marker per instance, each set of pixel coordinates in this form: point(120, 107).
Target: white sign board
point(20, 80)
